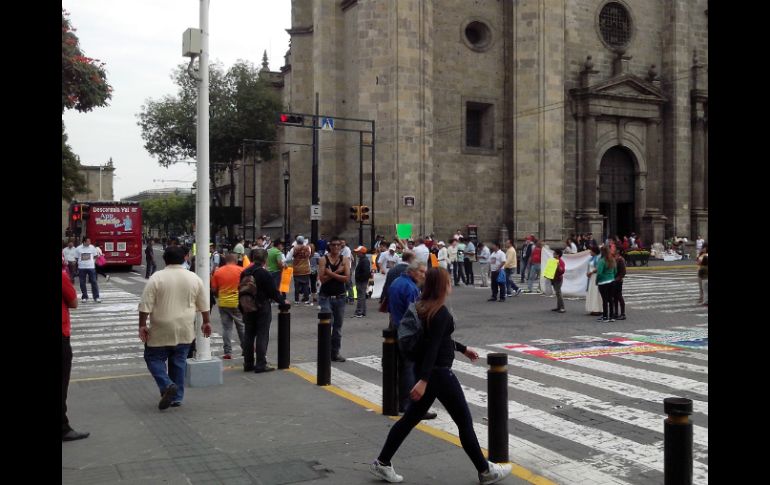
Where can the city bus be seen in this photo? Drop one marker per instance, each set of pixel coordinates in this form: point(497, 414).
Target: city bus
point(114, 226)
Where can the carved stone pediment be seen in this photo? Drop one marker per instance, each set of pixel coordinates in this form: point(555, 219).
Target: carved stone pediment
point(625, 87)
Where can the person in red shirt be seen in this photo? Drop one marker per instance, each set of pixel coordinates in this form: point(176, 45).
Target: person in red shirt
point(534, 265)
point(69, 299)
point(558, 279)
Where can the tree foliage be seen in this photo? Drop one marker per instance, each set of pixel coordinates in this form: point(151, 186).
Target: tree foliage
point(241, 106)
point(83, 87)
point(171, 213)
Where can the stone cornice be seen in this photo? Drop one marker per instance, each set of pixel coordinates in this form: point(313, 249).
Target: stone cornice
point(626, 87)
point(300, 30)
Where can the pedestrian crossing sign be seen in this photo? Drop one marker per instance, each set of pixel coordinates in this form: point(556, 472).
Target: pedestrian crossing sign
point(327, 124)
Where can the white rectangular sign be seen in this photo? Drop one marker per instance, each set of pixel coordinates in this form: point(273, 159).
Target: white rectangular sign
point(315, 212)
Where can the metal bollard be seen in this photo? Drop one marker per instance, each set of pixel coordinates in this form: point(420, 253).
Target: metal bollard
point(497, 407)
point(389, 373)
point(284, 336)
point(677, 441)
point(324, 373)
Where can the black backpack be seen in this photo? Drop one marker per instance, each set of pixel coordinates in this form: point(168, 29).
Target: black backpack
point(410, 332)
point(248, 293)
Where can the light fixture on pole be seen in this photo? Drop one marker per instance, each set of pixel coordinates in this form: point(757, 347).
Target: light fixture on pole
point(286, 220)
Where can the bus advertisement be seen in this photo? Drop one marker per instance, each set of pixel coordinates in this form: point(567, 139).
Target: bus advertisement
point(116, 227)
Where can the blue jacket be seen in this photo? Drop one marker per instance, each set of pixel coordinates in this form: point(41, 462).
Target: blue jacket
point(402, 292)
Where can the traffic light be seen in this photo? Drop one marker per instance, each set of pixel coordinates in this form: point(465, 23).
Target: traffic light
point(85, 211)
point(364, 212)
point(76, 212)
point(290, 119)
point(355, 212)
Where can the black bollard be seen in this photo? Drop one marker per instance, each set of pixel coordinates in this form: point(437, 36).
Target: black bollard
point(677, 441)
point(497, 407)
point(389, 373)
point(324, 373)
point(284, 335)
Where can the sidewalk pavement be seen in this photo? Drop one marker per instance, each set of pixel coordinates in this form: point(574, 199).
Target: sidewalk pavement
point(268, 429)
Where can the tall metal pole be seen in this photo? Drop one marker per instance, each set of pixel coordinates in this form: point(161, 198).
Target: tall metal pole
point(371, 215)
point(361, 185)
point(202, 264)
point(314, 223)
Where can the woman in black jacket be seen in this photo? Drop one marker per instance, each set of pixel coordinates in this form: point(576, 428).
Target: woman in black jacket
point(433, 368)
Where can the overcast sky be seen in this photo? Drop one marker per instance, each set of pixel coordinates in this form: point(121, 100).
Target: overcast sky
point(141, 42)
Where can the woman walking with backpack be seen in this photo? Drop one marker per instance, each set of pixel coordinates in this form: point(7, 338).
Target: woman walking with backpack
point(433, 366)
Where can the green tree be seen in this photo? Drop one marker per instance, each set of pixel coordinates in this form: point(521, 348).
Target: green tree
point(241, 106)
point(83, 88)
point(174, 213)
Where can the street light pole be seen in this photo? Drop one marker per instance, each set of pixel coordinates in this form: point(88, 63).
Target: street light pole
point(202, 263)
point(286, 220)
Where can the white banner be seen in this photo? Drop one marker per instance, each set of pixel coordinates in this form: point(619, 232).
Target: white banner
point(379, 284)
point(575, 269)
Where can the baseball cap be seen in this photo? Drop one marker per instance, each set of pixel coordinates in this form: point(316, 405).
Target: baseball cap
point(441, 243)
point(392, 247)
point(360, 249)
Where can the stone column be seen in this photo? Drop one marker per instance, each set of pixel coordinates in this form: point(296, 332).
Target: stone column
point(699, 212)
point(653, 221)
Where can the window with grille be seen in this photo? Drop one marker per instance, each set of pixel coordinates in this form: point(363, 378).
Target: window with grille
point(479, 125)
point(615, 24)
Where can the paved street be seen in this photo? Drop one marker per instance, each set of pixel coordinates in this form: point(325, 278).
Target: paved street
point(585, 398)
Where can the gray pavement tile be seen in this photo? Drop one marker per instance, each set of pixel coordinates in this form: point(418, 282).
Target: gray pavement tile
point(89, 476)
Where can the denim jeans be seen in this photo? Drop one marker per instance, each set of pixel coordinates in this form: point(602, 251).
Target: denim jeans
point(534, 274)
point(496, 285)
point(335, 305)
point(458, 269)
point(406, 381)
point(91, 274)
point(444, 386)
point(66, 369)
point(301, 287)
point(524, 270)
point(156, 358)
point(230, 317)
point(509, 283)
point(151, 268)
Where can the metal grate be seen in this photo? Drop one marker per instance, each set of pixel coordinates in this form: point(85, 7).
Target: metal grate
point(615, 24)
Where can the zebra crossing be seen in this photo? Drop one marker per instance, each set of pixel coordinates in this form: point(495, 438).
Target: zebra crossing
point(583, 420)
point(666, 291)
point(105, 336)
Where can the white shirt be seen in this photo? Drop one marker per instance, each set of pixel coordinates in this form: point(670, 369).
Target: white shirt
point(443, 258)
point(346, 252)
point(422, 252)
point(388, 261)
point(484, 255)
point(86, 256)
point(70, 254)
point(497, 260)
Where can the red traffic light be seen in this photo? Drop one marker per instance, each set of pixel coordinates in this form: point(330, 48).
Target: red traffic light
point(289, 119)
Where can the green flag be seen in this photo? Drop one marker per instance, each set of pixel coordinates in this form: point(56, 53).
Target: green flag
point(404, 231)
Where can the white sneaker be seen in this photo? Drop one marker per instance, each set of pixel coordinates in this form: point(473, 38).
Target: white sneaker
point(495, 473)
point(98, 300)
point(386, 473)
point(108, 277)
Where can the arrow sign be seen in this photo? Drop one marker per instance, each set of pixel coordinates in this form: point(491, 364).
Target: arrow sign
point(327, 124)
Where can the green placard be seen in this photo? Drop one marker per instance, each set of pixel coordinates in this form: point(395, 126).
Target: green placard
point(404, 231)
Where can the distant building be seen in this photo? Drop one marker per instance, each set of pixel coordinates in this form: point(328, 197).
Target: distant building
point(99, 186)
point(158, 193)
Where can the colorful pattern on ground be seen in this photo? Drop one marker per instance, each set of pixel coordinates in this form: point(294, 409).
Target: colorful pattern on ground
point(592, 348)
point(695, 339)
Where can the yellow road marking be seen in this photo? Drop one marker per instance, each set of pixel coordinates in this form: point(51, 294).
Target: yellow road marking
point(517, 470)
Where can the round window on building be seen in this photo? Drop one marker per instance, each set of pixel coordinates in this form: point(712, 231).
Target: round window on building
point(478, 35)
point(615, 25)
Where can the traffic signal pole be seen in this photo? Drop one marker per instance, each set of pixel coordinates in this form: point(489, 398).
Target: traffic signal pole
point(314, 197)
point(361, 186)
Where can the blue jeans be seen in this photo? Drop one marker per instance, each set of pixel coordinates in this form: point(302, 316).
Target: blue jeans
point(335, 305)
point(156, 357)
point(406, 381)
point(509, 283)
point(91, 273)
point(534, 274)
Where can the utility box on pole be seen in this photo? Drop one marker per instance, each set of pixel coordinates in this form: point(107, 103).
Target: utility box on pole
point(191, 42)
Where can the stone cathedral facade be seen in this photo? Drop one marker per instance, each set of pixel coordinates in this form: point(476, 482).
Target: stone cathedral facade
point(519, 116)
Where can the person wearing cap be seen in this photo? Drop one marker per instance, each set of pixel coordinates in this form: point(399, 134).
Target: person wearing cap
point(300, 261)
point(362, 274)
point(240, 250)
point(443, 256)
point(388, 259)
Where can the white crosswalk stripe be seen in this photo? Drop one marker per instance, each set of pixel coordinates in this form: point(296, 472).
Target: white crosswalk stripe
point(667, 291)
point(546, 400)
point(105, 335)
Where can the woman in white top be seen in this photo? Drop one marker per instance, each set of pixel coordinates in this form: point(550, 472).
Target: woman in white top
point(593, 298)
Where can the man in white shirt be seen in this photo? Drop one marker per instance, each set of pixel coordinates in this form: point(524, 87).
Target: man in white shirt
point(388, 259)
point(422, 252)
point(86, 255)
point(70, 256)
point(348, 253)
point(170, 299)
point(443, 256)
point(484, 255)
point(496, 262)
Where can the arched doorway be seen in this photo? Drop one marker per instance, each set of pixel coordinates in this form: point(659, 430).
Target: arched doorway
point(616, 192)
